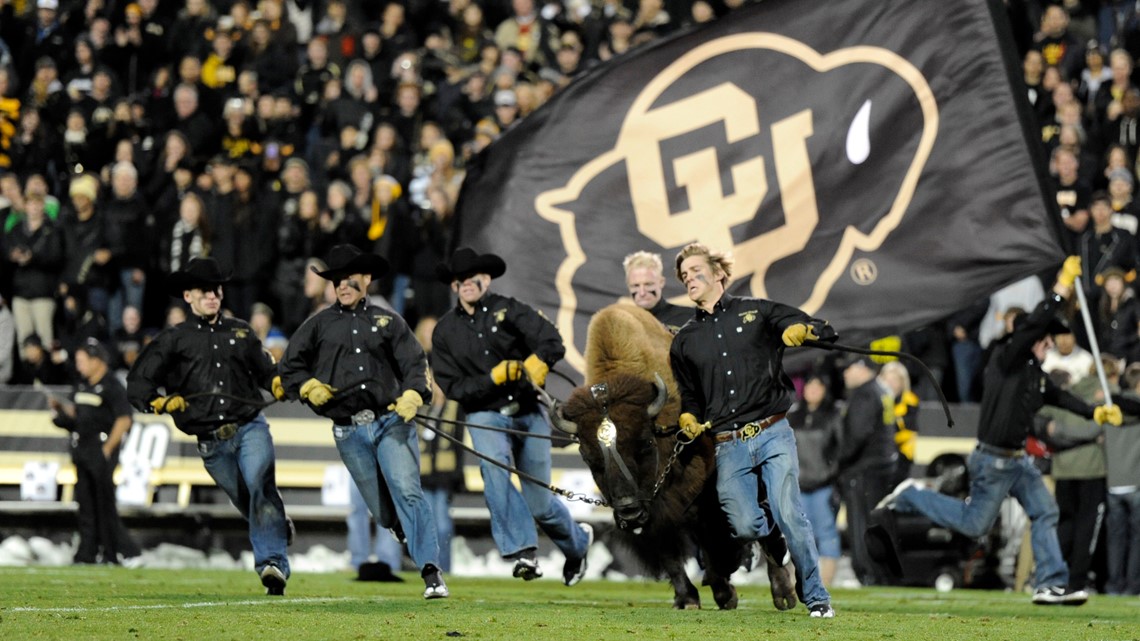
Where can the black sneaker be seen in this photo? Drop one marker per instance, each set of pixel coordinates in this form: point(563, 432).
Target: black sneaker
point(821, 611)
point(526, 568)
point(575, 569)
point(434, 587)
point(1057, 595)
point(274, 580)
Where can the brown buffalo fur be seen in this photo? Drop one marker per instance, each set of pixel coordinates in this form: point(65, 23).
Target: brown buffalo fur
point(626, 339)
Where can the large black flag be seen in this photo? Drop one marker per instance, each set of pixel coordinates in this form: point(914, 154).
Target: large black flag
point(869, 161)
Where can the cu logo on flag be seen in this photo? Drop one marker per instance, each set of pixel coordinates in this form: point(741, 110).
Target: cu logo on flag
point(756, 143)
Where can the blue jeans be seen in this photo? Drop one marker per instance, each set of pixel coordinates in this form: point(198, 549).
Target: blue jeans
point(1123, 543)
point(817, 506)
point(129, 294)
point(244, 468)
point(384, 457)
point(513, 514)
point(967, 356)
point(440, 501)
point(772, 455)
point(360, 542)
point(992, 478)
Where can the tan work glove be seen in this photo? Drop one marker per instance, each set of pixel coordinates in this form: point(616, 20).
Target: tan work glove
point(1069, 271)
point(506, 371)
point(796, 334)
point(536, 369)
point(278, 389)
point(1108, 414)
point(690, 426)
point(316, 392)
point(407, 405)
point(167, 404)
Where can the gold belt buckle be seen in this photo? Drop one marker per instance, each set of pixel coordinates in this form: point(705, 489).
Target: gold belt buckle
point(750, 431)
point(226, 432)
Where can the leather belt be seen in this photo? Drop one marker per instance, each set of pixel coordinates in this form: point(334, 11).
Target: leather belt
point(993, 450)
point(750, 430)
point(221, 433)
point(363, 417)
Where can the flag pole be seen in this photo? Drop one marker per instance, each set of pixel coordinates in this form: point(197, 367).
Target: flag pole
point(1092, 340)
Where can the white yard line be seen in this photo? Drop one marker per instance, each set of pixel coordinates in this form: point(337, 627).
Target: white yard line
point(202, 604)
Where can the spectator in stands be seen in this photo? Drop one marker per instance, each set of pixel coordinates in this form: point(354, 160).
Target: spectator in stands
point(1104, 245)
point(1124, 209)
point(1122, 449)
point(233, 437)
point(39, 366)
point(128, 340)
point(90, 245)
point(489, 352)
point(818, 423)
point(384, 378)
point(1117, 318)
point(127, 213)
point(1072, 194)
point(1079, 472)
point(1066, 354)
point(1109, 101)
point(7, 343)
point(868, 457)
point(98, 418)
point(35, 247)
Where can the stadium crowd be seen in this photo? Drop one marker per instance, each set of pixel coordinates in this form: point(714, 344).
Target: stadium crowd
point(135, 136)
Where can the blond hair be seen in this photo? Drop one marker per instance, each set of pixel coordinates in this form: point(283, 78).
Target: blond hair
point(716, 260)
point(642, 260)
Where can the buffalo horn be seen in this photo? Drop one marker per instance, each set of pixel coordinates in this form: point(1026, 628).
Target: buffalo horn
point(662, 395)
point(560, 421)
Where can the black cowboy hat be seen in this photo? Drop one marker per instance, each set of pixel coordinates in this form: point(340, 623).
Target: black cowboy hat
point(199, 273)
point(345, 260)
point(1055, 325)
point(465, 262)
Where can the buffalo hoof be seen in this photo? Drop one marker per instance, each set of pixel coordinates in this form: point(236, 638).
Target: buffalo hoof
point(726, 598)
point(686, 604)
point(783, 589)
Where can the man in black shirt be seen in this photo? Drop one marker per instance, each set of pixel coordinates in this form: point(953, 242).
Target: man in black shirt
point(98, 420)
point(727, 363)
point(361, 366)
point(645, 280)
point(1015, 388)
point(488, 352)
point(197, 362)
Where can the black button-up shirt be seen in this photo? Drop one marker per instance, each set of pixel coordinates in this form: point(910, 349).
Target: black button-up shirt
point(465, 347)
point(728, 363)
point(97, 407)
point(1016, 387)
point(368, 354)
point(200, 357)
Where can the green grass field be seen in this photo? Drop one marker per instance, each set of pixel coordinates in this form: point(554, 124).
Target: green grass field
point(84, 603)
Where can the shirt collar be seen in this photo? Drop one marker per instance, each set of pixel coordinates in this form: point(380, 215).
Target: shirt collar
point(725, 302)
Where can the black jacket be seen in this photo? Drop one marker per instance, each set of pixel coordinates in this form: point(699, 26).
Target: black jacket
point(1015, 385)
point(728, 364)
point(817, 443)
point(368, 354)
point(97, 407)
point(868, 438)
point(673, 317)
point(465, 347)
point(197, 357)
point(40, 277)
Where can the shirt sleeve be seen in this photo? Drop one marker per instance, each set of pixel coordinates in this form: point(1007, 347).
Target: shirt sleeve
point(300, 357)
point(410, 358)
point(146, 376)
point(688, 384)
point(464, 388)
point(540, 334)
